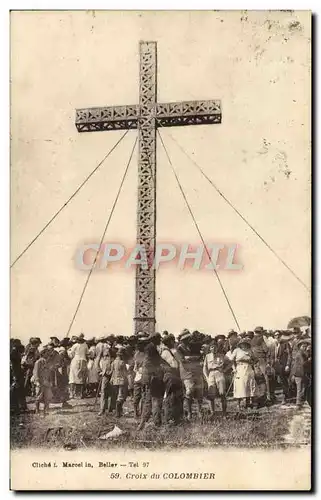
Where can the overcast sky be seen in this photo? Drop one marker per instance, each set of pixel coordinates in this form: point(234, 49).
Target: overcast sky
point(258, 64)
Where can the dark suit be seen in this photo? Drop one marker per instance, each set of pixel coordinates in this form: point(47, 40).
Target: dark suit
point(301, 373)
point(282, 358)
point(280, 361)
point(152, 386)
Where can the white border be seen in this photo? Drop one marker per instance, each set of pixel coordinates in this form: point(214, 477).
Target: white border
point(5, 6)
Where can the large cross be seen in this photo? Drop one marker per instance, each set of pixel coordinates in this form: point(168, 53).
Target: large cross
point(146, 117)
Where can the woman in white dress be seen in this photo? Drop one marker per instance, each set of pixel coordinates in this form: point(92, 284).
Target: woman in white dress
point(78, 367)
point(244, 380)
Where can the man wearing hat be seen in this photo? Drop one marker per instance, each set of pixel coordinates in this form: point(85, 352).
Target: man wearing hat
point(92, 369)
point(53, 363)
point(138, 369)
point(271, 343)
point(78, 367)
point(173, 399)
point(62, 372)
point(119, 380)
point(215, 364)
point(261, 355)
point(232, 339)
point(296, 337)
point(221, 342)
point(54, 341)
point(28, 360)
point(99, 348)
point(280, 361)
point(152, 382)
point(17, 389)
point(42, 378)
point(189, 355)
point(104, 369)
point(301, 370)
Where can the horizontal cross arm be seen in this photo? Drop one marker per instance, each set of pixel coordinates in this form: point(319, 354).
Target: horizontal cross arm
point(107, 118)
point(174, 114)
point(167, 115)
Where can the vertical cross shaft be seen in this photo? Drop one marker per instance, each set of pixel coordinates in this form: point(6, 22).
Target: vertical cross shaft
point(146, 117)
point(146, 208)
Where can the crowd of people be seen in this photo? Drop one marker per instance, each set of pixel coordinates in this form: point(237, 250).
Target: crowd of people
point(164, 375)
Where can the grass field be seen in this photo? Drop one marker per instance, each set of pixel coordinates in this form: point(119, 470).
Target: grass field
point(81, 427)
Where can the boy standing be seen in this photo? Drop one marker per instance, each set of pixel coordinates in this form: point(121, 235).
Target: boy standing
point(119, 379)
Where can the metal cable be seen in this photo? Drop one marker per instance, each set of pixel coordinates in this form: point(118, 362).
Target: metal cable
point(240, 215)
point(69, 199)
point(102, 239)
point(200, 234)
